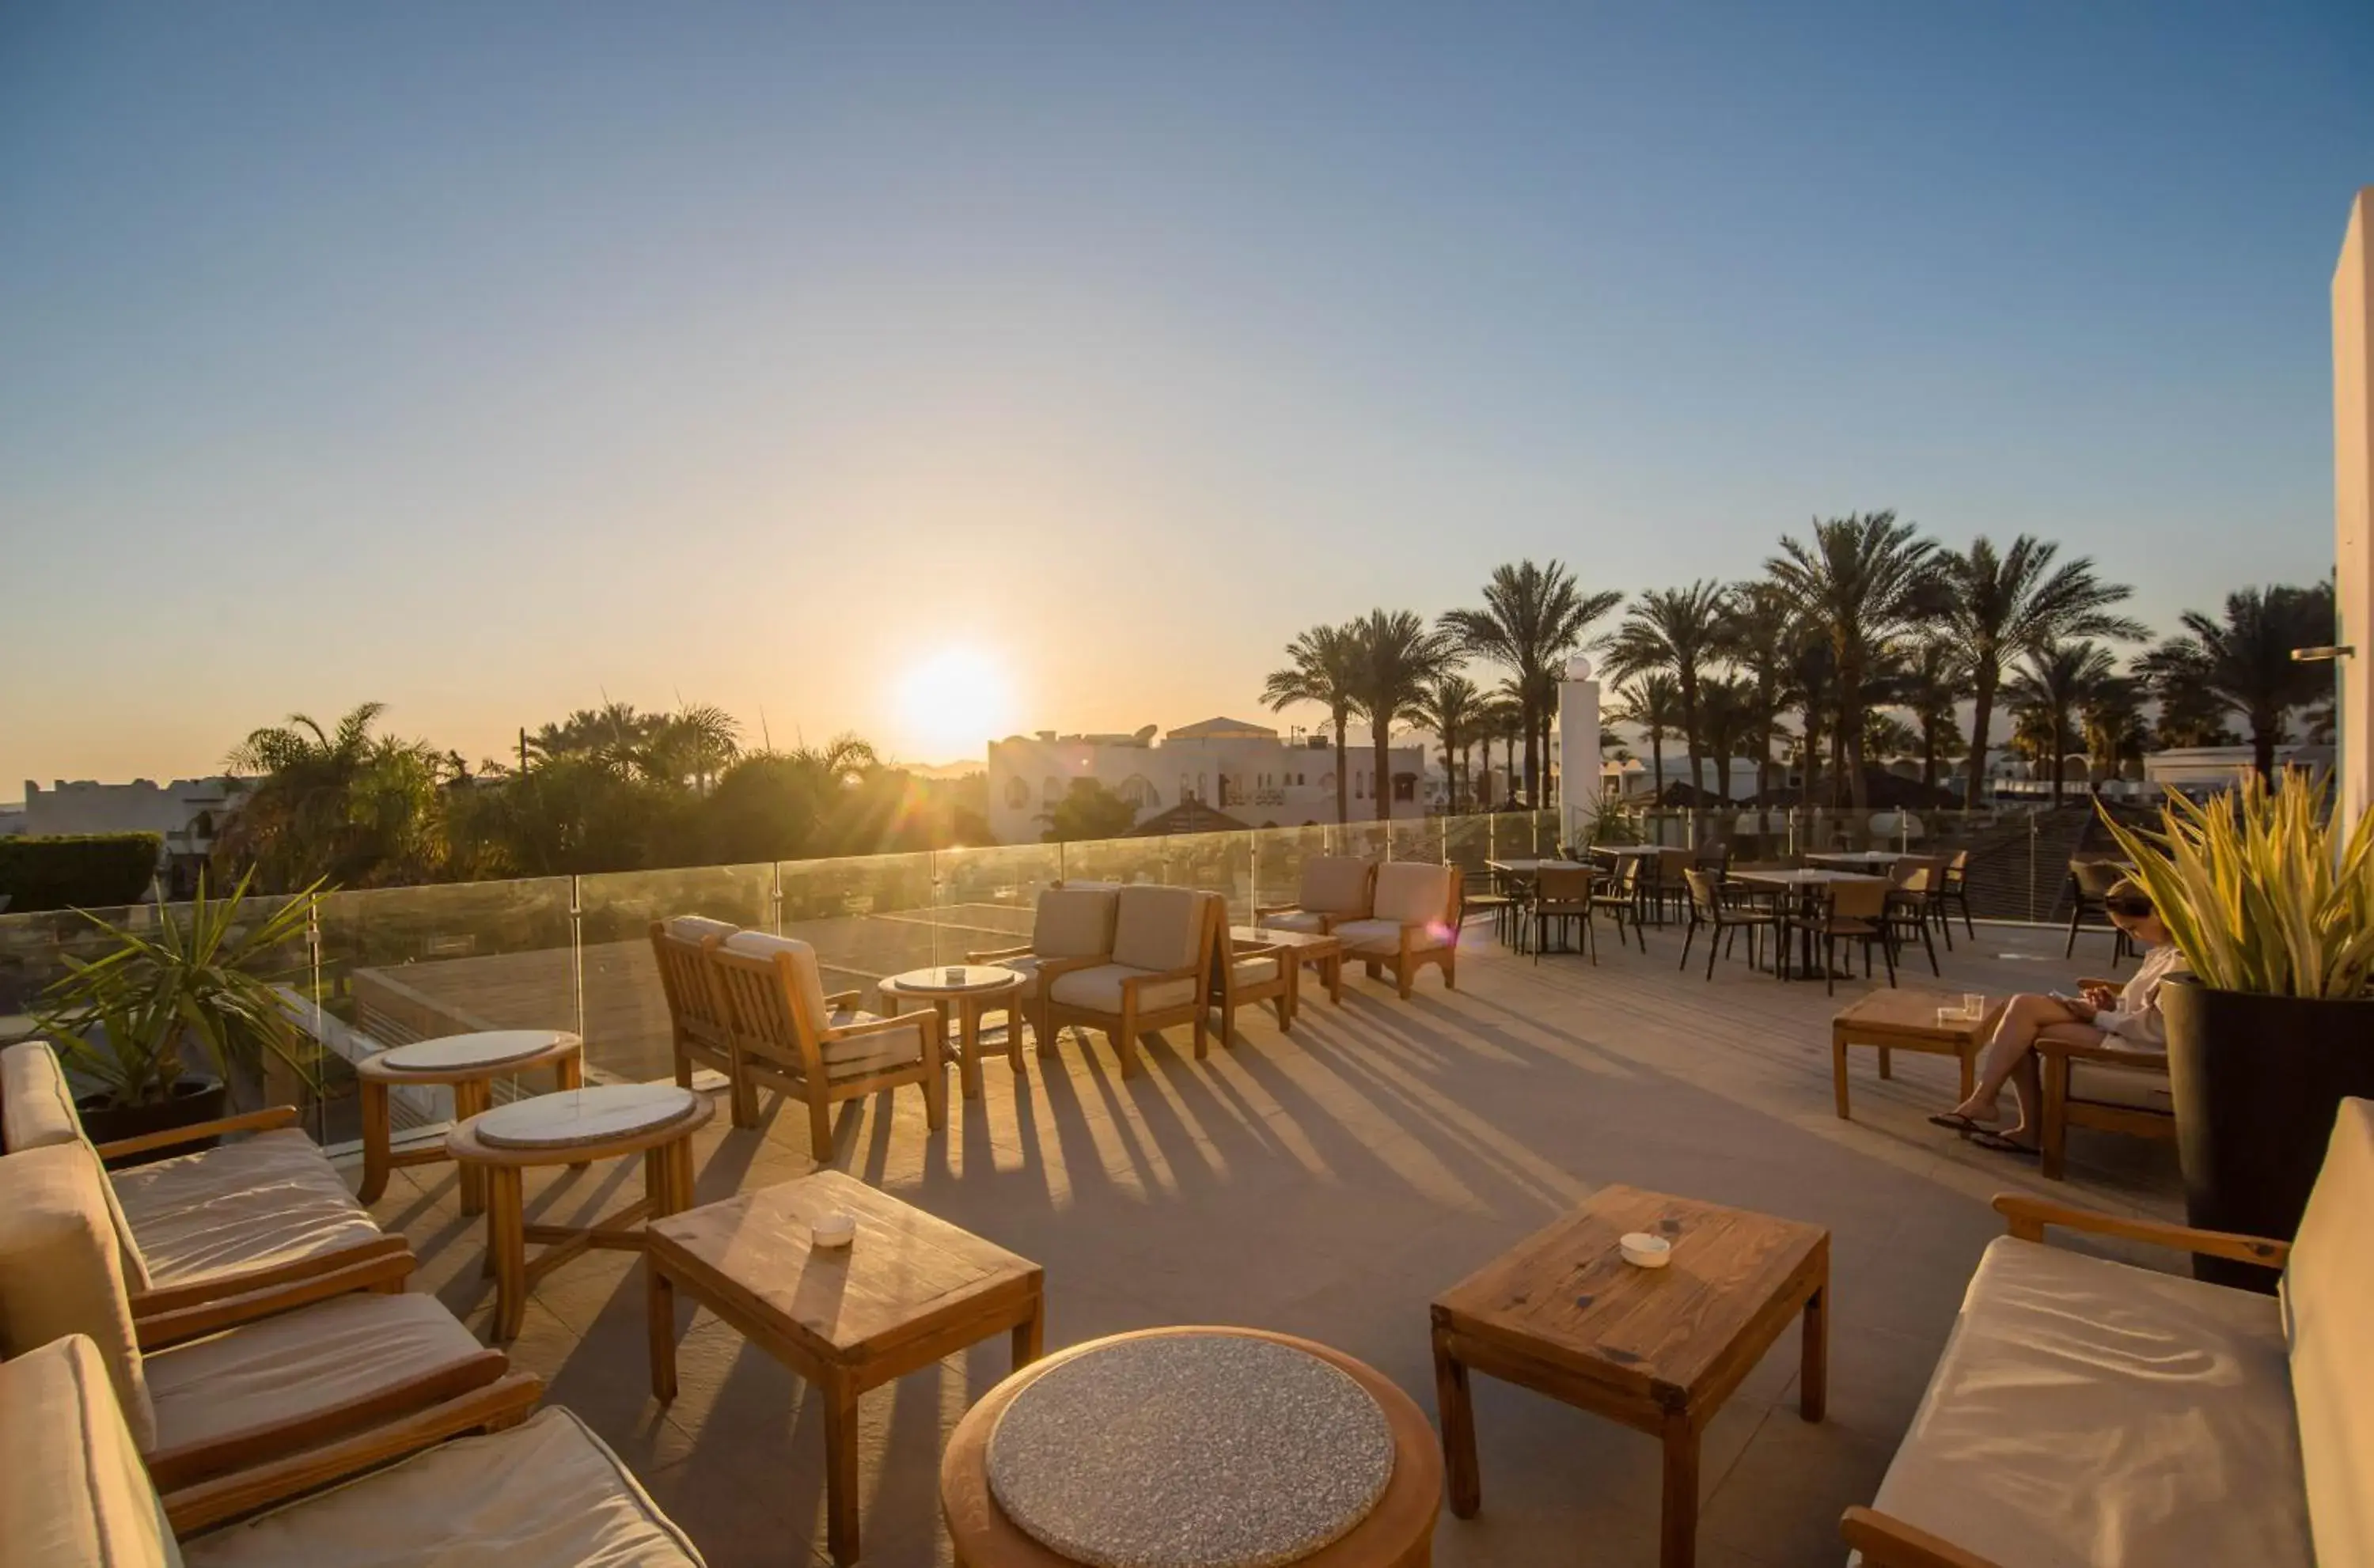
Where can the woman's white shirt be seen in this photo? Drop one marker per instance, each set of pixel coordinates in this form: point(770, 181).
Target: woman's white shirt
point(2137, 1018)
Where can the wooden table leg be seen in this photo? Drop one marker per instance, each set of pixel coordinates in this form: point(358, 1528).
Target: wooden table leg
point(568, 1073)
point(1335, 979)
point(1839, 1070)
point(1969, 1056)
point(659, 1306)
point(967, 1042)
point(469, 1099)
point(1030, 1335)
point(507, 1245)
point(1813, 1368)
point(1886, 1062)
point(1013, 1032)
point(1677, 1545)
point(1458, 1412)
point(376, 1138)
point(840, 1394)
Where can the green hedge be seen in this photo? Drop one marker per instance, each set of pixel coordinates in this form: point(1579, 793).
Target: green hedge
point(83, 871)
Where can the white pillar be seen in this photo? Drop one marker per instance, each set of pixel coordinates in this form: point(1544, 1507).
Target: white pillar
point(1579, 781)
point(2353, 486)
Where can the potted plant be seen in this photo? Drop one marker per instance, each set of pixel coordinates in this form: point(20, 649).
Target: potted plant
point(163, 1029)
point(2273, 908)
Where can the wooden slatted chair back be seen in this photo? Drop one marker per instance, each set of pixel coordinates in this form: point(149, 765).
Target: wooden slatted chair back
point(696, 1010)
point(764, 1009)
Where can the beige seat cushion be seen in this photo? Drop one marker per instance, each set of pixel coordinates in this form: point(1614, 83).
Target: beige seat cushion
point(279, 1369)
point(1073, 922)
point(1243, 972)
point(2326, 1292)
point(1097, 990)
point(2088, 1414)
point(1159, 928)
point(1336, 884)
point(1309, 921)
point(2100, 1085)
point(1410, 893)
point(1385, 936)
point(262, 1202)
point(61, 1271)
point(809, 975)
point(74, 1492)
point(37, 1108)
point(870, 1053)
point(545, 1494)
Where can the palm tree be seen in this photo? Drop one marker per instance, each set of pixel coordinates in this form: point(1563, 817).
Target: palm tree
point(1652, 705)
point(1934, 676)
point(1727, 711)
point(1761, 636)
point(1451, 706)
point(1395, 658)
point(1999, 606)
point(2112, 718)
point(1499, 719)
point(1533, 617)
point(2243, 664)
point(341, 804)
point(610, 734)
point(1320, 671)
point(2047, 692)
point(1681, 630)
point(692, 745)
point(1861, 582)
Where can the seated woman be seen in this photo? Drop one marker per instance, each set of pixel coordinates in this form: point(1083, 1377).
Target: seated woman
point(2100, 1011)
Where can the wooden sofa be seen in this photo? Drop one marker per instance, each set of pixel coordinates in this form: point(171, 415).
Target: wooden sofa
point(1415, 919)
point(2090, 1413)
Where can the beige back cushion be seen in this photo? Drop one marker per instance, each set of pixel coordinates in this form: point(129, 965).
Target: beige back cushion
point(1073, 922)
point(1159, 928)
point(698, 929)
point(2327, 1290)
point(1410, 892)
point(36, 1108)
point(1336, 885)
point(74, 1492)
point(758, 945)
point(60, 1270)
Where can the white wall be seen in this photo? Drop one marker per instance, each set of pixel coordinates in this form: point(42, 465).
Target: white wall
point(185, 811)
point(1257, 782)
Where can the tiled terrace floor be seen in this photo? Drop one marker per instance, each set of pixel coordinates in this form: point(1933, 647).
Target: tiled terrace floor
point(1329, 1184)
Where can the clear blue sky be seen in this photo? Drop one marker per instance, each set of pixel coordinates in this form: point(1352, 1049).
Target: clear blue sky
point(488, 358)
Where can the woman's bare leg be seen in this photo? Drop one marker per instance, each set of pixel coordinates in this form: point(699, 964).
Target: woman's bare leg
point(2015, 1037)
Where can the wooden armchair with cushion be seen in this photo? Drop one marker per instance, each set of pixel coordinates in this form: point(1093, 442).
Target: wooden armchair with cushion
point(1155, 977)
point(1332, 889)
point(699, 1034)
point(2110, 1087)
point(251, 1393)
point(817, 1048)
point(2091, 1411)
point(544, 1493)
point(236, 1232)
point(1415, 923)
point(1071, 923)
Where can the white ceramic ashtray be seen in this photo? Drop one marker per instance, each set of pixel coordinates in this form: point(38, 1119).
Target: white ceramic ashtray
point(834, 1230)
point(1643, 1250)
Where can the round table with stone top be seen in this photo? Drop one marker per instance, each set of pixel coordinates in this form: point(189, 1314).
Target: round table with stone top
point(965, 991)
point(1194, 1447)
point(574, 1127)
point(467, 1064)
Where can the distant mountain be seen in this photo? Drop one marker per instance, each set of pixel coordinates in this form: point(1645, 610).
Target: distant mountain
point(941, 769)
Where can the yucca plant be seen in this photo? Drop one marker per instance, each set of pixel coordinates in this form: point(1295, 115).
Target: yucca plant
point(2262, 890)
point(202, 987)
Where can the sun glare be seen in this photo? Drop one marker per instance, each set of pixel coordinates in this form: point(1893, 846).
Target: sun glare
point(953, 703)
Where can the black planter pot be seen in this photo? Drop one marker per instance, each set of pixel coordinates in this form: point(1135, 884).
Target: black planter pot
point(194, 1100)
point(2257, 1082)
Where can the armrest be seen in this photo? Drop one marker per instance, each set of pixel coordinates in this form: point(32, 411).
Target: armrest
point(2030, 1216)
point(171, 1325)
point(276, 1281)
point(1888, 1542)
point(270, 1120)
point(842, 999)
point(503, 1403)
point(1256, 949)
point(1054, 967)
point(993, 955)
point(922, 1018)
point(1263, 911)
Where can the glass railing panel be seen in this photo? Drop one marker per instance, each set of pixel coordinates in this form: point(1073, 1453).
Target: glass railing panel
point(627, 1029)
point(989, 896)
point(1415, 839)
point(868, 916)
point(1278, 856)
point(1466, 843)
point(1217, 863)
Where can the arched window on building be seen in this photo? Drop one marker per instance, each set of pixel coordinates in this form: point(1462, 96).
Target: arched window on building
point(1017, 793)
point(1139, 792)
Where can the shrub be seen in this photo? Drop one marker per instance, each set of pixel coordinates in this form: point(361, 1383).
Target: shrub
point(83, 871)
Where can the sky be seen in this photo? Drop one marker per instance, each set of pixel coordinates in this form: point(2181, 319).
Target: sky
point(939, 372)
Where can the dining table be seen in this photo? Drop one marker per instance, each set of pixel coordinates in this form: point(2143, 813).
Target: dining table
point(1875, 860)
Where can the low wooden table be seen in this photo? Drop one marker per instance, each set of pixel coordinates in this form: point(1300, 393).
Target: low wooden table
point(666, 1148)
point(1907, 1020)
point(1658, 1350)
point(467, 1064)
point(1324, 954)
point(983, 987)
point(909, 1291)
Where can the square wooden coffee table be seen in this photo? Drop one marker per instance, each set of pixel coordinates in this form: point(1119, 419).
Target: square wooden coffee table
point(1907, 1020)
point(1658, 1350)
point(909, 1291)
point(1324, 954)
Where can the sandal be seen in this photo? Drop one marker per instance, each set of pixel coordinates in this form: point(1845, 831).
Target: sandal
point(2001, 1145)
point(1954, 1121)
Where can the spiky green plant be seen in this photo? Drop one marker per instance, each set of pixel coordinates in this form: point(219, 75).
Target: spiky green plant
point(2262, 890)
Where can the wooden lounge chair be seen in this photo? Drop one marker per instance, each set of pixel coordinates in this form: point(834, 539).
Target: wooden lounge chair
point(1154, 979)
point(246, 1396)
point(1070, 922)
point(1332, 889)
point(699, 1034)
point(1245, 974)
point(817, 1048)
point(1415, 923)
point(220, 1236)
point(2109, 1087)
point(543, 1493)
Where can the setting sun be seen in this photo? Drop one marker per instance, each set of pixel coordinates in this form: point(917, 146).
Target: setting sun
point(952, 704)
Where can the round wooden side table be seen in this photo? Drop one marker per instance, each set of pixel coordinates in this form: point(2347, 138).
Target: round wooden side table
point(573, 1127)
point(1396, 1532)
point(467, 1064)
point(967, 990)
